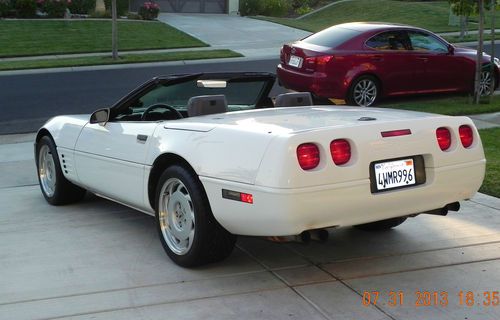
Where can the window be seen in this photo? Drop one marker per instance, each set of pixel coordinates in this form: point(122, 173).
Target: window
point(241, 94)
point(331, 37)
point(422, 41)
point(391, 40)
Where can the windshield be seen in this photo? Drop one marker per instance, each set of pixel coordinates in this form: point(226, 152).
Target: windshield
point(241, 94)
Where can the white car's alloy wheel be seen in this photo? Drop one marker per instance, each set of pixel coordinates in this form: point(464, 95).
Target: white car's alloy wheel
point(187, 228)
point(56, 189)
point(47, 171)
point(176, 216)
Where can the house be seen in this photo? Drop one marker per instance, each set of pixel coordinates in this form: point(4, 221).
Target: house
point(192, 6)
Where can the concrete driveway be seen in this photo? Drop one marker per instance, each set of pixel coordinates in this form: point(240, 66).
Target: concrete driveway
point(251, 37)
point(100, 260)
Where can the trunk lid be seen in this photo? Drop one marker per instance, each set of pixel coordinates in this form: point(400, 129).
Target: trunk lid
point(300, 119)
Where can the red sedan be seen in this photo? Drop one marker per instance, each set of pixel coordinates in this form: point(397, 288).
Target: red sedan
point(361, 62)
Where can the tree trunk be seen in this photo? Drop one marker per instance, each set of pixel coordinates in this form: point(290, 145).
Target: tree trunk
point(462, 28)
point(114, 31)
point(479, 57)
point(492, 61)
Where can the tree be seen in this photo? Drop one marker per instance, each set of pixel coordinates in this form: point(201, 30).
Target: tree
point(114, 31)
point(464, 9)
point(479, 56)
point(493, 8)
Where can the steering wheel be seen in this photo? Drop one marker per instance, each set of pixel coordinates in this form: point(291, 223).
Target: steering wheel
point(160, 105)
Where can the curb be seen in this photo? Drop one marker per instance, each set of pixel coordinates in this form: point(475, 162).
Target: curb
point(133, 65)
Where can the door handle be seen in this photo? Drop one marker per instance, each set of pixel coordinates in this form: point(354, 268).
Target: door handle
point(141, 138)
point(377, 58)
point(424, 59)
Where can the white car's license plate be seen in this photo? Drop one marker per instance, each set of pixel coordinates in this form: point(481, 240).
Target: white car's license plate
point(394, 174)
point(295, 61)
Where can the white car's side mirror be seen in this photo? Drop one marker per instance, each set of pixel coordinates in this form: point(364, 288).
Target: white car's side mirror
point(100, 116)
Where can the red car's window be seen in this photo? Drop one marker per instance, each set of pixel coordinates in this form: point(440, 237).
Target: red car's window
point(391, 40)
point(421, 41)
point(331, 37)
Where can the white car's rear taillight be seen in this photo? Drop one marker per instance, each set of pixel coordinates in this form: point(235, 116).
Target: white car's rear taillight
point(340, 150)
point(308, 156)
point(466, 135)
point(443, 137)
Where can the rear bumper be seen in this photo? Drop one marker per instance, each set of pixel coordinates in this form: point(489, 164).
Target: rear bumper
point(318, 83)
point(277, 212)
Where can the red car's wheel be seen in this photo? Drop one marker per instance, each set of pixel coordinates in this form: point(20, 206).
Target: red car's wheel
point(364, 91)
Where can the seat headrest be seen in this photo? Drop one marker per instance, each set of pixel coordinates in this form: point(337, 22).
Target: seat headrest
point(203, 105)
point(293, 99)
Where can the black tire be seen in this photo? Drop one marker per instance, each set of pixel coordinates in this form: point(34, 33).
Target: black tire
point(62, 191)
point(210, 242)
point(360, 81)
point(382, 224)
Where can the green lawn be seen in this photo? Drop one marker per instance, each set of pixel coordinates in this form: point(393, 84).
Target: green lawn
point(432, 15)
point(444, 104)
point(471, 37)
point(39, 37)
point(129, 58)
point(491, 144)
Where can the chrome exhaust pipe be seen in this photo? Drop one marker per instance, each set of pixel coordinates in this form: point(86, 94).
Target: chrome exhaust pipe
point(320, 235)
point(454, 206)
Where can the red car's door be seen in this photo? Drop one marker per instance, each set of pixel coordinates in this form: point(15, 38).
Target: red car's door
point(399, 69)
point(442, 70)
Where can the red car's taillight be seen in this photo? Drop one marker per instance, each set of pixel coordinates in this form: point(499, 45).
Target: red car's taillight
point(308, 156)
point(340, 150)
point(466, 135)
point(316, 63)
point(443, 137)
point(282, 55)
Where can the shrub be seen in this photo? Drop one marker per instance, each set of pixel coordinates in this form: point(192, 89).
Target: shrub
point(26, 8)
point(134, 16)
point(121, 6)
point(55, 8)
point(275, 8)
point(149, 10)
point(82, 6)
point(4, 7)
point(252, 7)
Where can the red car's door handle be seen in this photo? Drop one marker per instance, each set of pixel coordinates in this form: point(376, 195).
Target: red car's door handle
point(424, 59)
point(377, 58)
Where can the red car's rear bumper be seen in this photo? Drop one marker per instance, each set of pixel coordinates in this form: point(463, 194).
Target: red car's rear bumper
point(318, 83)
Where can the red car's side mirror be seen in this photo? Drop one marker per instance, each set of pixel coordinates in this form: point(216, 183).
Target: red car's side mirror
point(451, 49)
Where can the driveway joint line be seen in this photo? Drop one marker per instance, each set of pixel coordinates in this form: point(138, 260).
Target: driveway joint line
point(483, 204)
point(133, 288)
point(160, 303)
point(319, 266)
point(308, 301)
point(419, 269)
point(410, 253)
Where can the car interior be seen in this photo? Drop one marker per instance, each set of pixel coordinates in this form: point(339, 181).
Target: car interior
point(171, 101)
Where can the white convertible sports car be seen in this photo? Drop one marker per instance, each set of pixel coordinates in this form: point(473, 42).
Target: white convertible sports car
point(211, 156)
